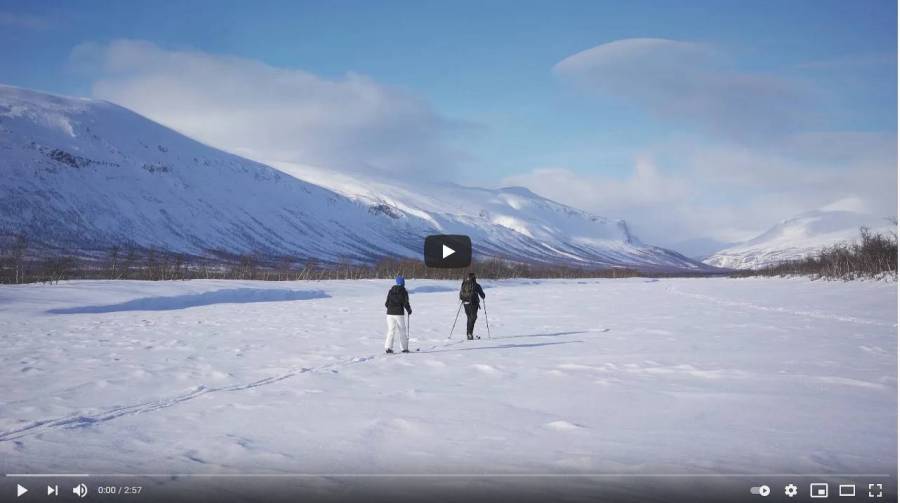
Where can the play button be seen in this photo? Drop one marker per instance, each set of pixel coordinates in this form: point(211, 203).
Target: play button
point(20, 490)
point(448, 251)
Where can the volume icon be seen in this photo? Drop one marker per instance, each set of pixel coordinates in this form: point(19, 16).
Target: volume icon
point(80, 490)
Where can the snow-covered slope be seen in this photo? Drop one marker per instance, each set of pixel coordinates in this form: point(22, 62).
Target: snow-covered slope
point(799, 237)
point(86, 174)
point(229, 377)
point(501, 220)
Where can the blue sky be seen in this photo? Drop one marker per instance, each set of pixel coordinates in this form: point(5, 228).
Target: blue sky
point(488, 94)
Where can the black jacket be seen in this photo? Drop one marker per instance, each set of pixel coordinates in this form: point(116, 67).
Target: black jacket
point(478, 293)
point(397, 300)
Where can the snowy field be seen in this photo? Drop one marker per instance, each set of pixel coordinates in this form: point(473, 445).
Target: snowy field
point(632, 376)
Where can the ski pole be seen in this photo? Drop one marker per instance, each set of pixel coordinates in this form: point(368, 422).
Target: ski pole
point(486, 319)
point(455, 319)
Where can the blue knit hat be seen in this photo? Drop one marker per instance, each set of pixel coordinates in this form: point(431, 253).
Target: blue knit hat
point(400, 280)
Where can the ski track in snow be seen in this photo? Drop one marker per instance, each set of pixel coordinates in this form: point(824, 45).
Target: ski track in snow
point(78, 420)
point(808, 314)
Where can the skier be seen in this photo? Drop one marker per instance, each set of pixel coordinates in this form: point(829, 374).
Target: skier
point(470, 293)
point(397, 301)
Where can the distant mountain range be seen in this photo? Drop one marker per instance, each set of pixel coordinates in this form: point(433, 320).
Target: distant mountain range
point(86, 175)
point(799, 237)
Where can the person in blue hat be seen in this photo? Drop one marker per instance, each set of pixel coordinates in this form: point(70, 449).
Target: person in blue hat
point(397, 301)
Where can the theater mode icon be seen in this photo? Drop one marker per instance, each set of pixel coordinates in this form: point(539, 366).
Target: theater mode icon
point(448, 251)
point(847, 490)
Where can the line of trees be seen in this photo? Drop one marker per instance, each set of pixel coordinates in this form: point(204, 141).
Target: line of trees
point(19, 263)
point(495, 268)
point(871, 256)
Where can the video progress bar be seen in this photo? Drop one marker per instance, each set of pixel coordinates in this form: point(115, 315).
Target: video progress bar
point(453, 475)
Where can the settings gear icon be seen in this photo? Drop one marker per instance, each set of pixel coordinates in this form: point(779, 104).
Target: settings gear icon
point(790, 490)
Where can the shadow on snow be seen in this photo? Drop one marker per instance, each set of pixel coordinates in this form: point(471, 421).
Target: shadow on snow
point(433, 289)
point(502, 346)
point(232, 296)
point(554, 334)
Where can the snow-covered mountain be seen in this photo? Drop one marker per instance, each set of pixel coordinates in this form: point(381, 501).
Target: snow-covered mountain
point(82, 174)
point(799, 237)
point(500, 220)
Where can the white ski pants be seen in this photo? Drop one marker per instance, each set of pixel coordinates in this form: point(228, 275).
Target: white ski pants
point(396, 327)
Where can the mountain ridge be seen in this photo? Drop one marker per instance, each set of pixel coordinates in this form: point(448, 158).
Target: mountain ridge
point(799, 237)
point(89, 174)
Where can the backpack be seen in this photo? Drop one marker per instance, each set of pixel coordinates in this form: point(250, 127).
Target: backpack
point(467, 290)
point(395, 296)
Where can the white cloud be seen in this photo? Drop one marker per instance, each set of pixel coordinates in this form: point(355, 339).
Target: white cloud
point(693, 84)
point(661, 208)
point(729, 192)
point(810, 169)
point(849, 203)
point(759, 152)
point(351, 123)
point(646, 186)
